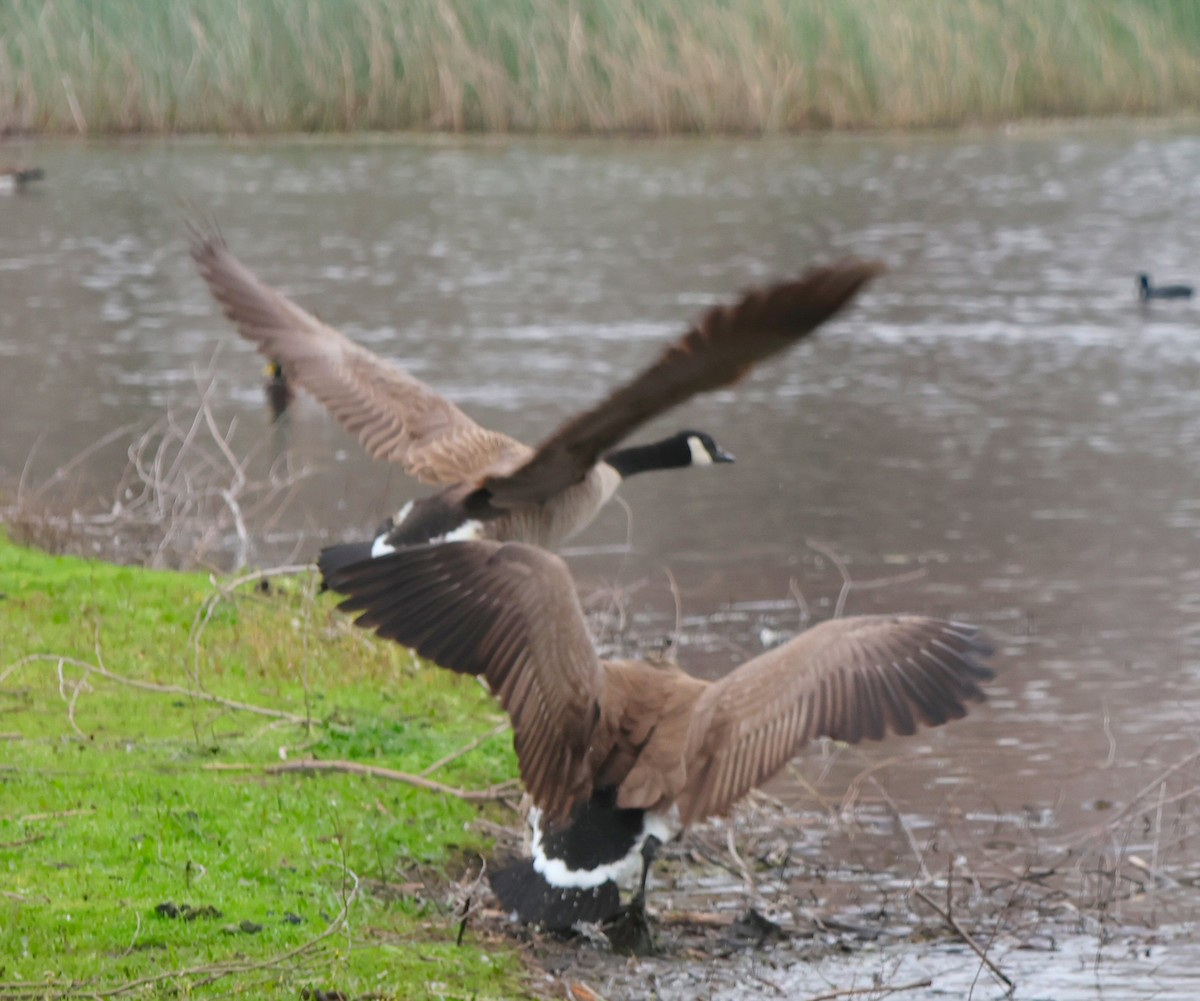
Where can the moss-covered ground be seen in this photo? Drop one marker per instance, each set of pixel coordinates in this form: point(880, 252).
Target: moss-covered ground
point(122, 806)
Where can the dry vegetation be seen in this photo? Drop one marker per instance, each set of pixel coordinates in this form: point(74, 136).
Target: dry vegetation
point(675, 66)
point(183, 499)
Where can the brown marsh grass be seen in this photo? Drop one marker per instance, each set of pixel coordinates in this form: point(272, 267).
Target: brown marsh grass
point(606, 66)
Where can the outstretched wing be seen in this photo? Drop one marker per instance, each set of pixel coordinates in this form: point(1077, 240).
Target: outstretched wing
point(719, 349)
point(850, 679)
point(509, 614)
point(396, 416)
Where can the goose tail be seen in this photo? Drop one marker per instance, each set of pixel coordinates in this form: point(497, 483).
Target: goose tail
point(527, 893)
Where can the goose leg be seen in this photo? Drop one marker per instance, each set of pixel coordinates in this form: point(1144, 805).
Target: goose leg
point(628, 930)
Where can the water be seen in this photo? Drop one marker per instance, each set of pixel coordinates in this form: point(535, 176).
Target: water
point(998, 413)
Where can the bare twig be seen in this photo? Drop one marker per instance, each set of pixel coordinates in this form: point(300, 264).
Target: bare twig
point(908, 834)
point(837, 561)
point(877, 991)
point(953, 924)
point(499, 792)
point(150, 686)
point(182, 493)
point(1134, 802)
point(466, 749)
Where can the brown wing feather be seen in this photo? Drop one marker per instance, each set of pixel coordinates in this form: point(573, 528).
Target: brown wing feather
point(849, 679)
point(719, 349)
point(510, 614)
point(396, 416)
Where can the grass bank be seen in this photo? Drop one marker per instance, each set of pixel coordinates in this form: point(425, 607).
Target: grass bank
point(145, 850)
point(566, 66)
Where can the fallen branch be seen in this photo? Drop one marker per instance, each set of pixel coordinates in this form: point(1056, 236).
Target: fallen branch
point(499, 792)
point(878, 991)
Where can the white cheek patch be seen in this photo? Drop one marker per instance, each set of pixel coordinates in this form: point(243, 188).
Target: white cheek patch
point(381, 546)
point(700, 456)
point(404, 512)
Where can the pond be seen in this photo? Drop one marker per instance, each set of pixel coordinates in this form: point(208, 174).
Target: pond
point(998, 431)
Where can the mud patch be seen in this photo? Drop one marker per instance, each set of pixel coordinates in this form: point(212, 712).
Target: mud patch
point(780, 902)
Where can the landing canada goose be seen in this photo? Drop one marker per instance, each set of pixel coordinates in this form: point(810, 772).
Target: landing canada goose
point(278, 390)
point(1147, 291)
point(494, 486)
point(619, 756)
point(15, 178)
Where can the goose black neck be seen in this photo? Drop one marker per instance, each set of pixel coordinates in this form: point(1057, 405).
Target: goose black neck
point(670, 453)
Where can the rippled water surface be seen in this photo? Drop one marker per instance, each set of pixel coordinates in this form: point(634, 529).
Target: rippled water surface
point(997, 424)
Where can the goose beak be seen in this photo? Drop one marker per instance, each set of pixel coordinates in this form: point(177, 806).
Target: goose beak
point(720, 455)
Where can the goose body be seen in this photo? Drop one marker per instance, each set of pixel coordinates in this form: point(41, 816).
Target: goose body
point(618, 756)
point(1147, 291)
point(492, 486)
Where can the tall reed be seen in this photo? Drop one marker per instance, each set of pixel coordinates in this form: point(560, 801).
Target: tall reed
point(586, 66)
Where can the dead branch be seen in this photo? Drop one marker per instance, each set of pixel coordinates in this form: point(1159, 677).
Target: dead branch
point(878, 991)
point(497, 793)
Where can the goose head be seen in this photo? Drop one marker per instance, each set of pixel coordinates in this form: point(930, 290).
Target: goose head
point(702, 450)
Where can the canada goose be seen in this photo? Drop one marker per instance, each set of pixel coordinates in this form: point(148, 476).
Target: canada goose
point(618, 756)
point(15, 178)
point(278, 389)
point(1147, 291)
point(494, 486)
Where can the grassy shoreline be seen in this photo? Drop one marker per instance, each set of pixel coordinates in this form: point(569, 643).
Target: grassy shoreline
point(562, 67)
point(117, 800)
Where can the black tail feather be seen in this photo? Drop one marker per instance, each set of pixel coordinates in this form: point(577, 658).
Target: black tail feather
point(524, 890)
point(335, 558)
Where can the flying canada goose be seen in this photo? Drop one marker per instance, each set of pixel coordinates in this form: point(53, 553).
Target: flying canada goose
point(1147, 291)
point(619, 756)
point(15, 178)
point(492, 485)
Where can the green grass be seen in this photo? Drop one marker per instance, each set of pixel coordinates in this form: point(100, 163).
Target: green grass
point(630, 66)
point(110, 803)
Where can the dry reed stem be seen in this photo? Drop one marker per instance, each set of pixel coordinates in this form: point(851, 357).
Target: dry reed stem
point(672, 67)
